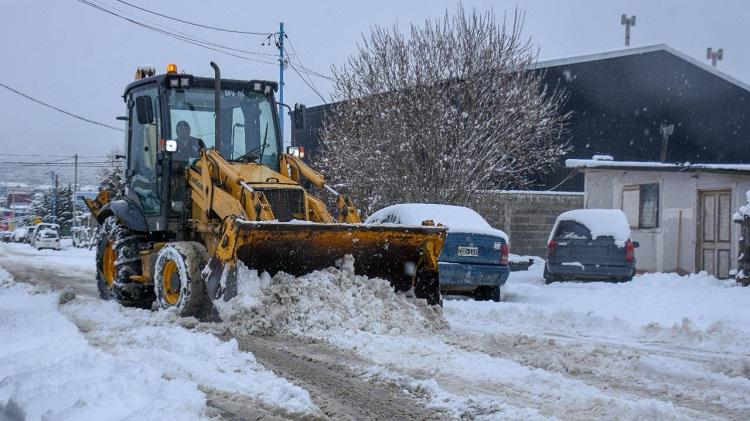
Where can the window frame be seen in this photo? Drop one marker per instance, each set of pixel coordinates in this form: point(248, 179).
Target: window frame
point(641, 188)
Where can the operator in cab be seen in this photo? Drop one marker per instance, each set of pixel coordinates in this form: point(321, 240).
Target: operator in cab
point(188, 147)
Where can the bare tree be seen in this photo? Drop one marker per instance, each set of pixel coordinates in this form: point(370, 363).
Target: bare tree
point(437, 115)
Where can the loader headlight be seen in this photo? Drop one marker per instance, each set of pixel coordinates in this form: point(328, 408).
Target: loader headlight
point(174, 83)
point(298, 151)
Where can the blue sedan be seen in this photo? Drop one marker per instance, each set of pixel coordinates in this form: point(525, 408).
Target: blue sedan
point(474, 259)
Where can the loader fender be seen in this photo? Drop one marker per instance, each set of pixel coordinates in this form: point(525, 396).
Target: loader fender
point(127, 212)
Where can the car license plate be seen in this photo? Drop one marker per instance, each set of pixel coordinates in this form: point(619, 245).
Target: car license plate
point(468, 251)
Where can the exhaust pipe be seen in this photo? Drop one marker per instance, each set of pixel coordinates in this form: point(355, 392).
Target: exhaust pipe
point(217, 104)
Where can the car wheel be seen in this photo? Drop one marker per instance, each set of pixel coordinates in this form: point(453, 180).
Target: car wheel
point(486, 293)
point(548, 277)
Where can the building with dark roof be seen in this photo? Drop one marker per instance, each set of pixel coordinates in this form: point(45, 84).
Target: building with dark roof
point(618, 102)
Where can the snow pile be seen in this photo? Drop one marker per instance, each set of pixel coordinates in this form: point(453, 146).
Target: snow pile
point(456, 218)
point(98, 360)
point(601, 223)
point(326, 301)
point(744, 211)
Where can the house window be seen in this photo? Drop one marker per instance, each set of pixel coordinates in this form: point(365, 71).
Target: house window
point(641, 205)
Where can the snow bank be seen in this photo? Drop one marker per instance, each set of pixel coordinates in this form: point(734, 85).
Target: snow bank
point(696, 311)
point(456, 218)
point(49, 370)
point(104, 361)
point(601, 223)
point(326, 301)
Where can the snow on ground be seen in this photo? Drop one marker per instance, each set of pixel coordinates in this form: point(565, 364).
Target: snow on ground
point(69, 260)
point(660, 347)
point(91, 359)
point(696, 310)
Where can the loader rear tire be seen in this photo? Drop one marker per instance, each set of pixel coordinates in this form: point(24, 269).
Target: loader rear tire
point(177, 279)
point(105, 262)
point(117, 259)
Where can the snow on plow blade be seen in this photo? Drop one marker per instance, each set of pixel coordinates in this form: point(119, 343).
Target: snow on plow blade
point(404, 255)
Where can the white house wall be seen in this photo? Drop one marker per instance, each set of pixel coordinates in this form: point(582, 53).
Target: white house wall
point(678, 200)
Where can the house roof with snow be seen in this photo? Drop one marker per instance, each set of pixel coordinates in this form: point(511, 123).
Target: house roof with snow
point(656, 166)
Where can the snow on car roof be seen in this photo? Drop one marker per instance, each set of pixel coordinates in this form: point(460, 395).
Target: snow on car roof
point(456, 218)
point(601, 223)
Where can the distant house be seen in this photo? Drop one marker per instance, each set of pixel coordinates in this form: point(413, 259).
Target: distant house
point(620, 99)
point(681, 214)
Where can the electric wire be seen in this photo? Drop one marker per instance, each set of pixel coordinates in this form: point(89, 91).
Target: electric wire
point(307, 83)
point(224, 49)
point(215, 28)
point(40, 102)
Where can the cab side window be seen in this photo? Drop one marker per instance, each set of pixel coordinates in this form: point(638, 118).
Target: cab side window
point(143, 146)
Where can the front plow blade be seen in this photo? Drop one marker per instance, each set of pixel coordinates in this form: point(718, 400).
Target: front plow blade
point(404, 255)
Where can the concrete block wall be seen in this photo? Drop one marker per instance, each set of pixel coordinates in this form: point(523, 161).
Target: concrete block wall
point(526, 216)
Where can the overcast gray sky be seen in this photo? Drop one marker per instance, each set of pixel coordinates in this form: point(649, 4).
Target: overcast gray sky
point(80, 59)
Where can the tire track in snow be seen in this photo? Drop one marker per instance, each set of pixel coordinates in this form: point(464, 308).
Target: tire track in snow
point(705, 393)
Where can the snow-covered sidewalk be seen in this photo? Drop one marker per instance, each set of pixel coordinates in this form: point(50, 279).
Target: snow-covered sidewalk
point(90, 359)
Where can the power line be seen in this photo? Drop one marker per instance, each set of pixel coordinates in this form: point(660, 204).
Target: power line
point(224, 49)
point(306, 69)
point(307, 83)
point(215, 28)
point(173, 31)
point(52, 156)
point(30, 98)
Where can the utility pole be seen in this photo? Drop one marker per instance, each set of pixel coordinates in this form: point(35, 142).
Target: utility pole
point(714, 56)
point(666, 130)
point(75, 188)
point(54, 197)
point(628, 22)
point(280, 44)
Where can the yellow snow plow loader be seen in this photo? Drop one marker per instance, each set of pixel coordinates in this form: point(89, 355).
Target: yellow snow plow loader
point(219, 191)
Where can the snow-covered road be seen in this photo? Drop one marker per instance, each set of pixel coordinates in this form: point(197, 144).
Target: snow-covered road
point(659, 347)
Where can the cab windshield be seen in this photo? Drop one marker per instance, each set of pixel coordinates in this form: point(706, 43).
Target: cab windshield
point(247, 125)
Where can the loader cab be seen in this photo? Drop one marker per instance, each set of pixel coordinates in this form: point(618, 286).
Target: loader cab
point(177, 109)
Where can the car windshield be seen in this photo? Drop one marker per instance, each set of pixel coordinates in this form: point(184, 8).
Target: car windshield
point(247, 124)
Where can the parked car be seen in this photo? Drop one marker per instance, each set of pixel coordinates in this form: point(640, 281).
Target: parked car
point(474, 260)
point(30, 234)
point(6, 236)
point(590, 244)
point(46, 236)
point(19, 234)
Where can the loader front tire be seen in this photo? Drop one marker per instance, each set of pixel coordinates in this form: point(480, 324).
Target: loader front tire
point(117, 259)
point(177, 279)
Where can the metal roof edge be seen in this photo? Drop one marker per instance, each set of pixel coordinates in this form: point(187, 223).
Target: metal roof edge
point(640, 50)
